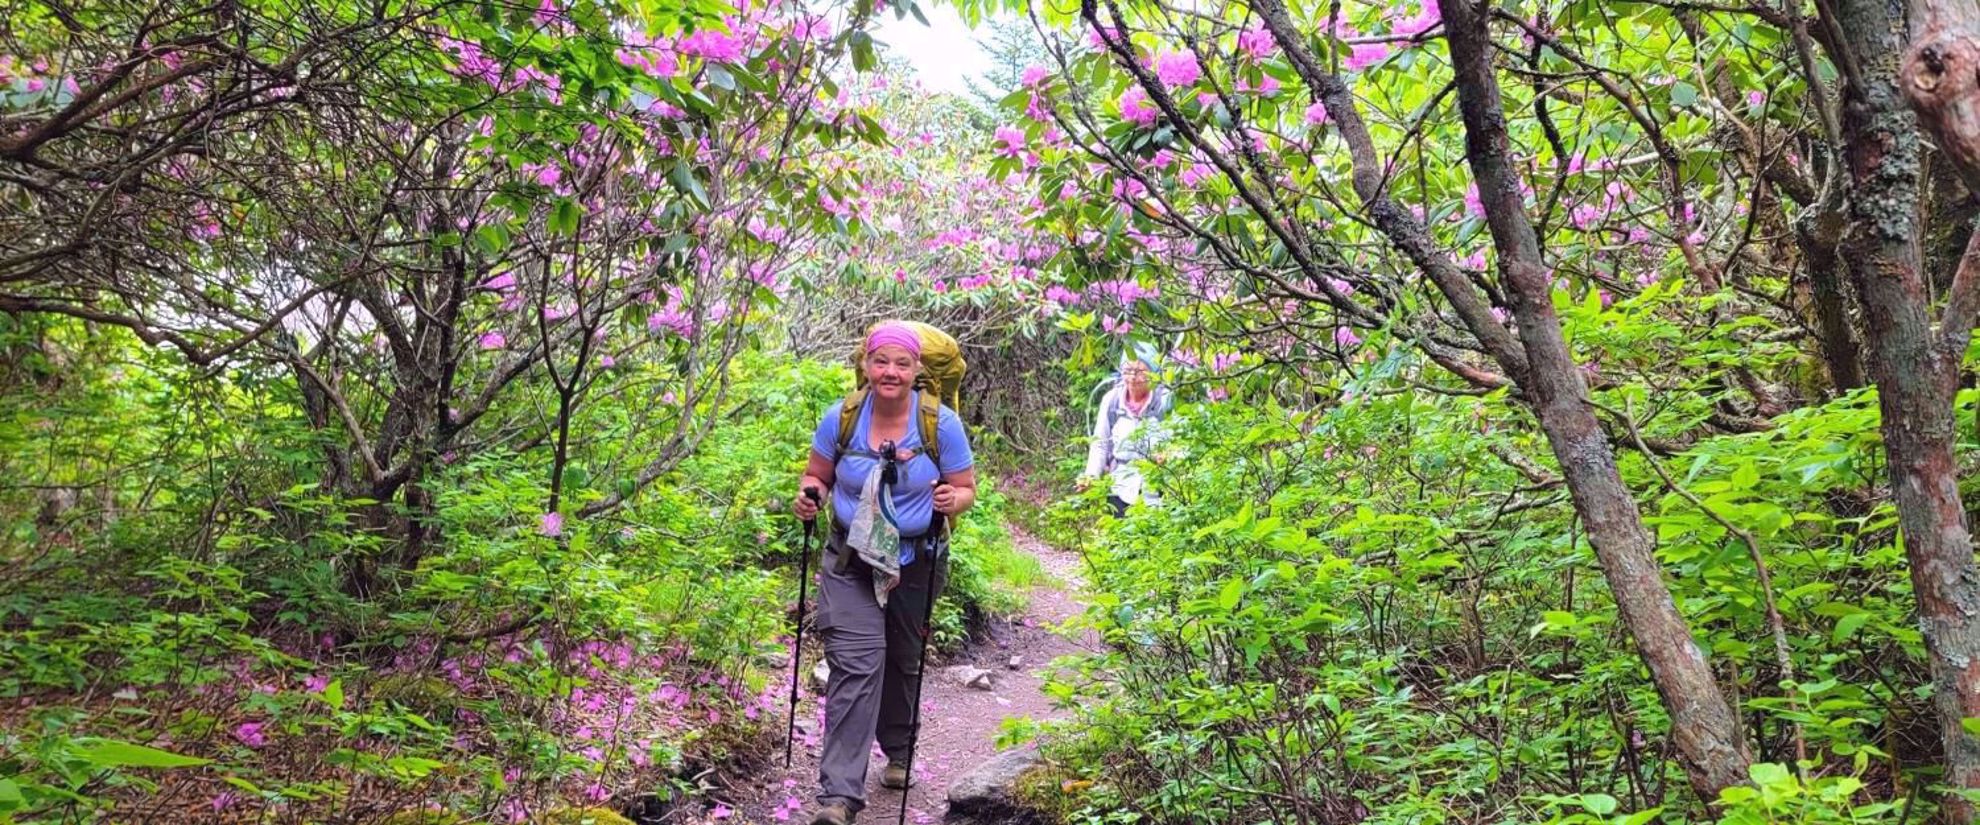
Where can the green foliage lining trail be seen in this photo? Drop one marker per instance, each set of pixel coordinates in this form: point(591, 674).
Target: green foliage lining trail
point(1363, 613)
point(654, 650)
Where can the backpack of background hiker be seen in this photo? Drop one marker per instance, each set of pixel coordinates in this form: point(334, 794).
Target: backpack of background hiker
point(940, 382)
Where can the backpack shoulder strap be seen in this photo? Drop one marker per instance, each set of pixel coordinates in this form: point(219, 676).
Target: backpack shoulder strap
point(929, 413)
point(849, 418)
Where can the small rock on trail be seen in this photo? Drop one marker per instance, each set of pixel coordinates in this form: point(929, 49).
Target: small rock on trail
point(972, 677)
point(987, 789)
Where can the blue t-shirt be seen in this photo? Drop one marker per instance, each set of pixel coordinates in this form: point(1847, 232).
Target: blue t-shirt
point(914, 495)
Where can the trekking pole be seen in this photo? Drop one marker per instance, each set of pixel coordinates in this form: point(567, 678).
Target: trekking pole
point(921, 665)
point(797, 646)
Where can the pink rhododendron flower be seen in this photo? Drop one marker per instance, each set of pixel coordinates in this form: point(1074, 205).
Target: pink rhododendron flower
point(1137, 108)
point(1316, 114)
point(1425, 19)
point(547, 13)
point(1177, 69)
point(1034, 76)
point(1011, 139)
point(1364, 55)
point(552, 524)
point(1585, 216)
point(1034, 109)
point(1345, 337)
point(1258, 44)
point(492, 340)
point(812, 28)
point(838, 208)
point(205, 226)
point(670, 320)
point(713, 46)
point(250, 734)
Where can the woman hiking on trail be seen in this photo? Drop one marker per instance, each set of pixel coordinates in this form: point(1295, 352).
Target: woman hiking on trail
point(1124, 432)
point(882, 564)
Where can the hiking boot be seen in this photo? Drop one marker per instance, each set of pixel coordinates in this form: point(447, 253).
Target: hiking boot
point(895, 776)
point(833, 814)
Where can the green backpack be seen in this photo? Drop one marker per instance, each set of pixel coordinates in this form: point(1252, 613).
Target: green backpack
point(942, 369)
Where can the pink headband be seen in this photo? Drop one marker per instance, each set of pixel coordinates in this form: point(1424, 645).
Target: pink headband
point(894, 333)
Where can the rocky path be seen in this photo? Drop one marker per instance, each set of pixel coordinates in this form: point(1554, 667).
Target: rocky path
point(960, 723)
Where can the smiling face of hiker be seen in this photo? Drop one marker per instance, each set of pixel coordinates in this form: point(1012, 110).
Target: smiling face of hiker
point(1137, 377)
point(890, 370)
point(893, 359)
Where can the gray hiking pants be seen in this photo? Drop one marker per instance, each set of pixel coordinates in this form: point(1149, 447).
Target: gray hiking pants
point(875, 655)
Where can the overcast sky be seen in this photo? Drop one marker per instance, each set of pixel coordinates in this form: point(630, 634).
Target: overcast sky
point(942, 53)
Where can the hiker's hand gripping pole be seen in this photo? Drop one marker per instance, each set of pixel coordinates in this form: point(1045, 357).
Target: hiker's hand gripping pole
point(797, 646)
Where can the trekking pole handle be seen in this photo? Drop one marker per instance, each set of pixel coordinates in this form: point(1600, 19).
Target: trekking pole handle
point(812, 493)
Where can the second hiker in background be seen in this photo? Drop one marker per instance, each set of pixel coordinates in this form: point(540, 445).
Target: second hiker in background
point(1125, 431)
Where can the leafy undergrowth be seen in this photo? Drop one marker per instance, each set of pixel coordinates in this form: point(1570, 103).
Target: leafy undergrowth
point(1043, 507)
point(642, 668)
point(525, 669)
point(511, 732)
point(1367, 616)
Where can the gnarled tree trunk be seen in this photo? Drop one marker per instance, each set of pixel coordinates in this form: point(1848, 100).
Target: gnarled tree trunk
point(1702, 724)
point(1916, 367)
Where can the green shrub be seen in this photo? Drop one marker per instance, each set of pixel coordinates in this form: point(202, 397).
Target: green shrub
point(1370, 593)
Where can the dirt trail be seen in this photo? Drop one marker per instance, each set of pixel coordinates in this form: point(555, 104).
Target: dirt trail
point(959, 724)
